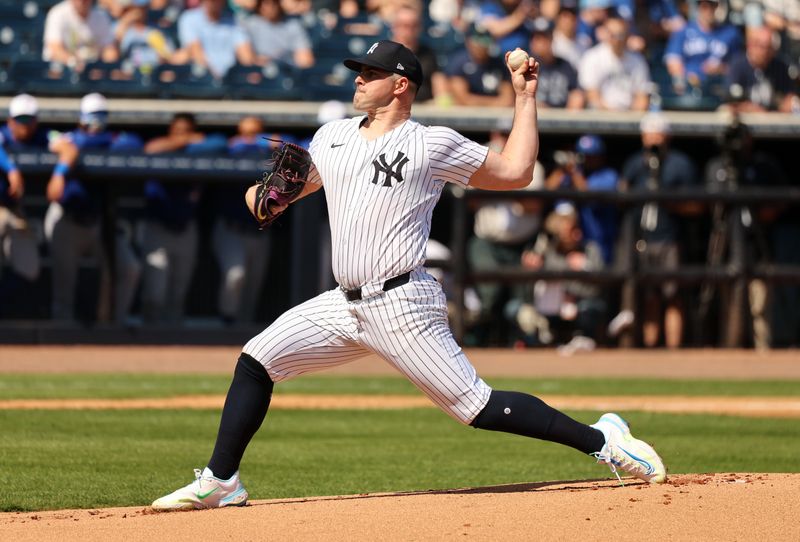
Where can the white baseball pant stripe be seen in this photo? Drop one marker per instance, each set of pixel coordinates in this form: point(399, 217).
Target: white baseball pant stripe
point(406, 326)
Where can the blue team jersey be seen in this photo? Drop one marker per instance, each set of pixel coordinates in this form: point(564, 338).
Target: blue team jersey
point(9, 144)
point(86, 141)
point(599, 221)
point(694, 46)
point(78, 200)
point(519, 37)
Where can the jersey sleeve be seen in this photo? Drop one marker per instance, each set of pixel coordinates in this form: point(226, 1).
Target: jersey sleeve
point(314, 148)
point(6, 163)
point(453, 157)
point(53, 28)
point(674, 49)
point(187, 31)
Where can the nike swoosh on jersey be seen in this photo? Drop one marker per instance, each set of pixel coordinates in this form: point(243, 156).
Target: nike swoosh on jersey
point(334, 145)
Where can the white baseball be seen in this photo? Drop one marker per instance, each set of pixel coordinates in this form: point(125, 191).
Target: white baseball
point(517, 58)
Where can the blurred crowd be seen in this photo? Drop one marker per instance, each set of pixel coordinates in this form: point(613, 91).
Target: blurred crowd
point(596, 54)
point(586, 235)
point(156, 245)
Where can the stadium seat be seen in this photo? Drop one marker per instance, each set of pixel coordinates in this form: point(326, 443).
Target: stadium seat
point(29, 9)
point(118, 79)
point(7, 84)
point(328, 79)
point(46, 78)
point(706, 98)
point(271, 82)
point(20, 39)
point(186, 81)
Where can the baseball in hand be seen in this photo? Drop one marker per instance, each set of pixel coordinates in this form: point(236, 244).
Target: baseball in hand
point(517, 58)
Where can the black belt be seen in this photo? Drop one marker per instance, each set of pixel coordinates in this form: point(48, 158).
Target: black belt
point(394, 282)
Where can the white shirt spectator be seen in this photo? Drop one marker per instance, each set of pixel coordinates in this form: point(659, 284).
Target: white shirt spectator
point(84, 38)
point(569, 50)
point(617, 79)
point(508, 222)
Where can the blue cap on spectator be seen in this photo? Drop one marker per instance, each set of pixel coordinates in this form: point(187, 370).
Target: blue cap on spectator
point(590, 145)
point(601, 4)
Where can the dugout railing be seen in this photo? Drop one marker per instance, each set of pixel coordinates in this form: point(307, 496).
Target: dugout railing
point(735, 268)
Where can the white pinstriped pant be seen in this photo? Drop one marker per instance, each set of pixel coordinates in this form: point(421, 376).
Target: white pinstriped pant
point(407, 326)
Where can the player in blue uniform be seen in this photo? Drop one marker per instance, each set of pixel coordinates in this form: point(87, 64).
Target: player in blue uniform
point(72, 222)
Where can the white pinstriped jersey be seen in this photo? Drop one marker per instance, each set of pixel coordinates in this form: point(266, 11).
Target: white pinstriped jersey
point(381, 193)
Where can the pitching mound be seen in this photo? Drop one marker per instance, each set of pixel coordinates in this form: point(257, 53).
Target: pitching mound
point(689, 507)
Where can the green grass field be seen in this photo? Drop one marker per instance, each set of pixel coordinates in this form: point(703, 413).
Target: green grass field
point(87, 459)
point(119, 386)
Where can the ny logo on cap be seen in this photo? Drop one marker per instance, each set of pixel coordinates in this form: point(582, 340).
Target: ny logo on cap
point(400, 67)
point(372, 49)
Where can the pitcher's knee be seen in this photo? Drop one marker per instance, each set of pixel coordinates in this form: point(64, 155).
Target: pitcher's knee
point(465, 407)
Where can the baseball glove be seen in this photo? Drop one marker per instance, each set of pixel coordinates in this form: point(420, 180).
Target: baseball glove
point(282, 183)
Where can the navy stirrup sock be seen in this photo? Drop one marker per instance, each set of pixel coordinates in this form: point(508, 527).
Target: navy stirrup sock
point(245, 408)
point(523, 414)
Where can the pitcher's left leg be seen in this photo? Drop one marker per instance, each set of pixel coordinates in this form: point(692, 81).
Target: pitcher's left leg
point(408, 327)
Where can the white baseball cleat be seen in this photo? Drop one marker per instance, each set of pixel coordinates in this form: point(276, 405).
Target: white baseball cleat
point(623, 451)
point(206, 491)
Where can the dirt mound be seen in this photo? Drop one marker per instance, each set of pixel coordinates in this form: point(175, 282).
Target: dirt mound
point(688, 507)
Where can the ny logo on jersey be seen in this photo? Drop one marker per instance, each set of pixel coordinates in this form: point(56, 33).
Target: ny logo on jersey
point(393, 170)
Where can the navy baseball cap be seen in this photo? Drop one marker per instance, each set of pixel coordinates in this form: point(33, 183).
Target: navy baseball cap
point(392, 57)
point(590, 145)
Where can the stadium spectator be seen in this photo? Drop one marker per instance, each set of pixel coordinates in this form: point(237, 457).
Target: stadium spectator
point(759, 80)
point(213, 38)
point(502, 229)
point(241, 249)
point(507, 20)
point(701, 49)
point(456, 14)
point(242, 8)
point(783, 16)
point(76, 33)
point(274, 37)
point(406, 27)
point(475, 77)
point(72, 222)
point(592, 16)
point(168, 235)
point(18, 246)
point(657, 167)
point(586, 169)
point(663, 20)
point(386, 9)
point(771, 236)
point(614, 77)
point(565, 43)
point(573, 311)
point(558, 80)
point(142, 45)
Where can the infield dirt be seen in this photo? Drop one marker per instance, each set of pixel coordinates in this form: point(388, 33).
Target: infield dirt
point(730, 506)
